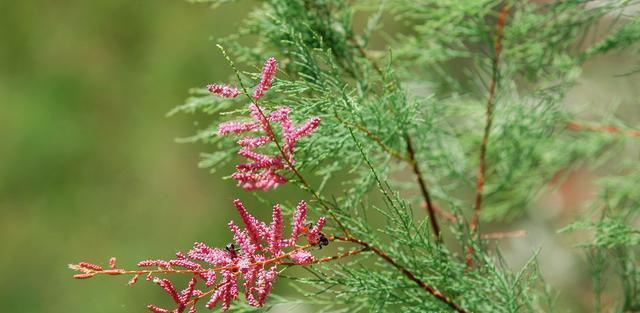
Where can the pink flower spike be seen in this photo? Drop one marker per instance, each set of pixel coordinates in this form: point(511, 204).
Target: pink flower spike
point(299, 218)
point(261, 160)
point(264, 180)
point(202, 252)
point(280, 115)
point(168, 287)
point(268, 72)
point(186, 294)
point(209, 277)
point(314, 234)
point(301, 257)
point(150, 263)
point(265, 283)
point(90, 266)
point(186, 264)
point(307, 128)
point(223, 91)
point(226, 292)
point(241, 238)
point(276, 231)
point(254, 142)
point(236, 127)
point(255, 228)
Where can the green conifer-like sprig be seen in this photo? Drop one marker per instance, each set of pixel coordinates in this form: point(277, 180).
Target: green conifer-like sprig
point(425, 86)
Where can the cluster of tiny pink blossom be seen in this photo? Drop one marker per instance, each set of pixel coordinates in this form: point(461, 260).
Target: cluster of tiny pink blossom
point(223, 91)
point(268, 72)
point(265, 171)
point(260, 249)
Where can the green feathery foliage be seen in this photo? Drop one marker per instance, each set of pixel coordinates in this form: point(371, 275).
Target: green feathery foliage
point(419, 99)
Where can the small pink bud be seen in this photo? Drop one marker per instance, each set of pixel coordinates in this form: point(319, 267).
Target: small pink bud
point(112, 262)
point(133, 279)
point(314, 234)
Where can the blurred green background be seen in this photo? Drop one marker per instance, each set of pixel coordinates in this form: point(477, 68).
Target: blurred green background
point(89, 167)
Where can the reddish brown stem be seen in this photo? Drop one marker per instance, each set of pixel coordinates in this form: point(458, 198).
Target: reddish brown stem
point(502, 235)
point(428, 288)
point(331, 258)
point(603, 129)
point(502, 17)
point(373, 137)
point(410, 159)
point(364, 54)
point(423, 187)
point(411, 153)
point(442, 213)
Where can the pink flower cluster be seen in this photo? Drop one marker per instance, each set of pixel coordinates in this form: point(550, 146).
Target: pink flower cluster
point(260, 249)
point(253, 259)
point(265, 171)
point(223, 91)
point(268, 72)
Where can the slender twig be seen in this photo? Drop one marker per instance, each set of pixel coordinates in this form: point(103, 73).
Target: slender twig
point(575, 126)
point(373, 137)
point(423, 187)
point(234, 268)
point(364, 54)
point(410, 159)
point(385, 256)
point(331, 258)
point(503, 235)
point(502, 17)
point(442, 213)
point(410, 151)
point(428, 288)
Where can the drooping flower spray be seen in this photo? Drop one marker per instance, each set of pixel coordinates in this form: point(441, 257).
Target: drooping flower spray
point(253, 259)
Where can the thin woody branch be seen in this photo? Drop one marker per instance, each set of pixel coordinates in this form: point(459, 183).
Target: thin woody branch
point(423, 187)
point(480, 179)
point(373, 137)
point(610, 129)
point(332, 258)
point(411, 276)
point(410, 158)
point(503, 235)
